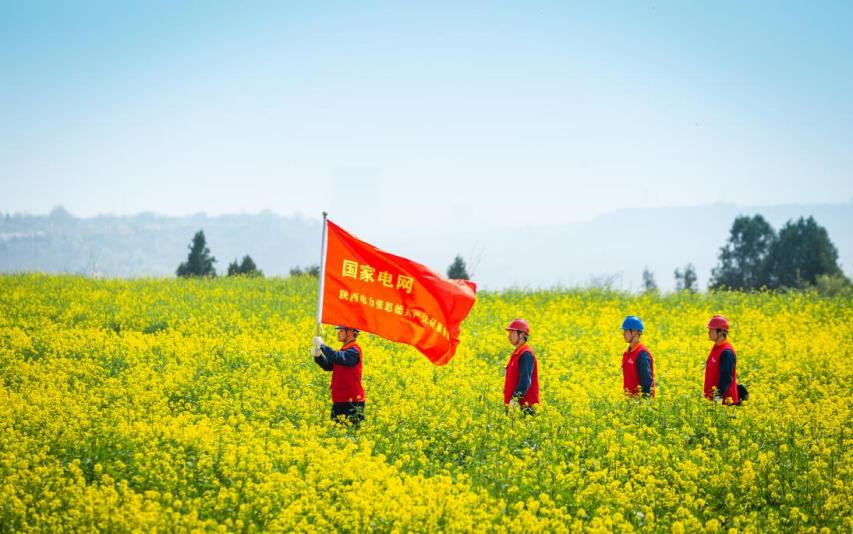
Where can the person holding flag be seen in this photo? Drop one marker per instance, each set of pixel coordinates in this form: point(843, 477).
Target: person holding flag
point(390, 296)
point(370, 290)
point(345, 366)
point(521, 382)
point(720, 373)
point(638, 370)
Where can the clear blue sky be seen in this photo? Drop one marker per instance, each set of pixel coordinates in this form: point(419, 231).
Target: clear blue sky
point(502, 113)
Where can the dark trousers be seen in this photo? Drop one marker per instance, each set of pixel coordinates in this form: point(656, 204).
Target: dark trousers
point(526, 410)
point(348, 411)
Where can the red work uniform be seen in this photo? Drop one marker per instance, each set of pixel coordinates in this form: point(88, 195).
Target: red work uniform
point(347, 392)
point(721, 373)
point(522, 377)
point(638, 371)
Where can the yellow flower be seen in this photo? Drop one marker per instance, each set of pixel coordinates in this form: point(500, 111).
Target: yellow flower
point(190, 405)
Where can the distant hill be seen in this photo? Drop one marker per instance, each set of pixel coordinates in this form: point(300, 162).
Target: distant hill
point(152, 245)
point(614, 247)
point(618, 245)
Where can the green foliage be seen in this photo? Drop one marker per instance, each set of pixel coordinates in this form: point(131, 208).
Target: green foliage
point(649, 284)
point(755, 257)
point(199, 261)
point(311, 270)
point(801, 253)
point(833, 285)
point(457, 269)
point(743, 258)
point(686, 280)
point(246, 268)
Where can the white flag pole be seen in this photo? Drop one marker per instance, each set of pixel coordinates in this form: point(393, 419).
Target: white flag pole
point(322, 274)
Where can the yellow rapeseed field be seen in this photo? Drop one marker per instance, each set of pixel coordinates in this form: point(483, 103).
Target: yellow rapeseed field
point(183, 405)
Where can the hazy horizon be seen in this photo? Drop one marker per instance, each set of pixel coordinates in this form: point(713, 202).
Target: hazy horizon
point(318, 216)
point(615, 247)
point(423, 116)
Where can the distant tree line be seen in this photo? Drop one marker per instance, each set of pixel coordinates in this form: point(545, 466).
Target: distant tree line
point(311, 270)
point(246, 267)
point(800, 256)
point(200, 263)
point(686, 280)
point(755, 256)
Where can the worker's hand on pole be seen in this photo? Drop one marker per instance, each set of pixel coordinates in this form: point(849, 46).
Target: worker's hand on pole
point(318, 342)
point(316, 353)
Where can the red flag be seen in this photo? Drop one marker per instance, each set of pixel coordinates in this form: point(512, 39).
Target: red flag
point(396, 298)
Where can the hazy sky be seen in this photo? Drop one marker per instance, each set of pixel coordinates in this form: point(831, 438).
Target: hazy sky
point(501, 113)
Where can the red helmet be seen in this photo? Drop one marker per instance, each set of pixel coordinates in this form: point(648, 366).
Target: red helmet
point(520, 325)
point(718, 321)
point(342, 327)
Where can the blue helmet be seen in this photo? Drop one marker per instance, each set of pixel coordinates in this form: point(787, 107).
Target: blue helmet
point(632, 322)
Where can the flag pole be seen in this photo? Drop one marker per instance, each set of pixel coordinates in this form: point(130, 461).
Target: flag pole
point(322, 274)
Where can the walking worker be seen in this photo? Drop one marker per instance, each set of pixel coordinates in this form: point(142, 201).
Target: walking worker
point(638, 368)
point(720, 369)
point(521, 382)
point(346, 366)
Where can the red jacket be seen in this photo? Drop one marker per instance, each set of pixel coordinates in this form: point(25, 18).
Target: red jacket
point(346, 381)
point(511, 380)
point(712, 374)
point(630, 374)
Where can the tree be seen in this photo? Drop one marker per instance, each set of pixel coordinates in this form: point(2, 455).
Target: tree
point(246, 268)
point(457, 270)
point(311, 270)
point(801, 253)
point(649, 284)
point(834, 285)
point(686, 281)
point(743, 260)
point(60, 215)
point(199, 262)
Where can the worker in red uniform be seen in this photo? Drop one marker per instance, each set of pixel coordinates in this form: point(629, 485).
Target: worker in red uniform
point(721, 366)
point(521, 382)
point(346, 366)
point(638, 368)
